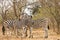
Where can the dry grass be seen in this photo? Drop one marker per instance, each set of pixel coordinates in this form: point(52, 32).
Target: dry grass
point(37, 35)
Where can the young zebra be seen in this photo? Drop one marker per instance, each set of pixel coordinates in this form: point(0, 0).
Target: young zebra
point(18, 23)
point(44, 23)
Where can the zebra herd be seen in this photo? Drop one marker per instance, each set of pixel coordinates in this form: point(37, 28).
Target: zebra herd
point(25, 24)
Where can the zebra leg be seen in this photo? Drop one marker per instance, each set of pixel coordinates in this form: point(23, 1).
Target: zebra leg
point(30, 33)
point(24, 32)
point(15, 30)
point(46, 32)
point(3, 30)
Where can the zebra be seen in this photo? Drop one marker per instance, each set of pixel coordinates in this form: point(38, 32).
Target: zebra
point(7, 26)
point(44, 23)
point(27, 25)
point(18, 24)
point(27, 13)
point(13, 25)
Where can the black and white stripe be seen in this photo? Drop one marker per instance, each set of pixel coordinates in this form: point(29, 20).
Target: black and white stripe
point(8, 23)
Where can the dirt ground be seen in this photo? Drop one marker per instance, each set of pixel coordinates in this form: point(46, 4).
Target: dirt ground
point(38, 34)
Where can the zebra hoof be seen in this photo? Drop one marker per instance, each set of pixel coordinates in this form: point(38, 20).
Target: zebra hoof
point(46, 36)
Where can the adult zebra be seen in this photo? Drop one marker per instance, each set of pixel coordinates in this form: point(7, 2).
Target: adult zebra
point(27, 12)
point(27, 25)
point(26, 16)
point(11, 25)
point(7, 26)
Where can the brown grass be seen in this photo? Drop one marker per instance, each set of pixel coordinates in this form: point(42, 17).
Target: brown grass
point(38, 34)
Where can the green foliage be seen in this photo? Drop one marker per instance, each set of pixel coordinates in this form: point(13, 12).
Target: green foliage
point(42, 12)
